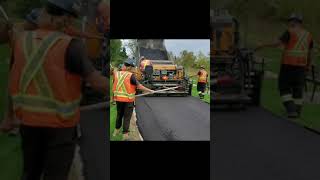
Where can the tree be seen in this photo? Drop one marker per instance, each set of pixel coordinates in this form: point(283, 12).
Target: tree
point(202, 60)
point(117, 52)
point(187, 59)
point(132, 47)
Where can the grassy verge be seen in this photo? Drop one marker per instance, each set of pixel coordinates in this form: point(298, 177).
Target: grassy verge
point(113, 116)
point(10, 151)
point(271, 99)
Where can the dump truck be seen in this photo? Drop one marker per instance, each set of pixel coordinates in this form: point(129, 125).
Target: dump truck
point(163, 73)
point(237, 73)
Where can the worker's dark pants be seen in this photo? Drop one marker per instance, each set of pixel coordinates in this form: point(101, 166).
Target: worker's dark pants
point(47, 152)
point(124, 111)
point(201, 87)
point(291, 84)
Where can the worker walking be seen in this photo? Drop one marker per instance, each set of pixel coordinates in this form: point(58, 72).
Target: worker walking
point(202, 81)
point(47, 71)
point(124, 90)
point(297, 43)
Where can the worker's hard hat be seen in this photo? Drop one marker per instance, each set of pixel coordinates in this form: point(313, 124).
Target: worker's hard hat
point(71, 7)
point(130, 62)
point(142, 58)
point(295, 17)
point(33, 16)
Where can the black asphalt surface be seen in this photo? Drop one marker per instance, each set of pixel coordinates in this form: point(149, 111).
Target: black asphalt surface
point(173, 119)
point(256, 145)
point(93, 144)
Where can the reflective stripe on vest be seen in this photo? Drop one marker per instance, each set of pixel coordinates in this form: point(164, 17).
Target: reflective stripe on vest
point(40, 77)
point(301, 48)
point(36, 59)
point(121, 90)
point(44, 101)
point(46, 105)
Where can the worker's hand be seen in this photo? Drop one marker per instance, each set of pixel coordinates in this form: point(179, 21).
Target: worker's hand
point(151, 91)
point(8, 125)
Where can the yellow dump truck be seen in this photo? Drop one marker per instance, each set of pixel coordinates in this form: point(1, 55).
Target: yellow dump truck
point(163, 72)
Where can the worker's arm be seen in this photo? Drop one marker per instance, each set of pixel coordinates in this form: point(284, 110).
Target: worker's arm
point(309, 59)
point(98, 82)
point(270, 45)
point(141, 87)
point(77, 62)
point(284, 39)
point(135, 82)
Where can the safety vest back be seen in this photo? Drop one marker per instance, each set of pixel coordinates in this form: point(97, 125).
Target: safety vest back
point(203, 76)
point(43, 92)
point(296, 50)
point(123, 90)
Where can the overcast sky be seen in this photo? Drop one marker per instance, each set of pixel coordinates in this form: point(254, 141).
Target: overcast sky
point(193, 45)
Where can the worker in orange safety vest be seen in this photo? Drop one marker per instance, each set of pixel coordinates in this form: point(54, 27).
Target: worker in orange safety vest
point(296, 61)
point(47, 70)
point(143, 63)
point(124, 90)
point(202, 81)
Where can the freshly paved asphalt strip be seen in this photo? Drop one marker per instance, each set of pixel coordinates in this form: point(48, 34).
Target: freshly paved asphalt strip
point(256, 145)
point(93, 144)
point(173, 118)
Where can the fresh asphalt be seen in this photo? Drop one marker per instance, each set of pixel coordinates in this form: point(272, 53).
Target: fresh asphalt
point(253, 144)
point(93, 144)
point(173, 118)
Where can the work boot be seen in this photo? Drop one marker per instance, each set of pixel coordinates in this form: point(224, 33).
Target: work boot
point(116, 132)
point(291, 109)
point(126, 137)
point(299, 109)
point(293, 115)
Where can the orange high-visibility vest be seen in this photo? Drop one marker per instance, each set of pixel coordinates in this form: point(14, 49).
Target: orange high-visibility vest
point(144, 64)
point(296, 51)
point(123, 90)
point(43, 92)
point(203, 76)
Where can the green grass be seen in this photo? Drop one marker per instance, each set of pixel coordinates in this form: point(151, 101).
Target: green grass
point(10, 151)
point(4, 70)
point(271, 100)
point(10, 158)
point(113, 116)
point(195, 92)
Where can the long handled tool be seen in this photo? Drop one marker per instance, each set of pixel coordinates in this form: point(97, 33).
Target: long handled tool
point(107, 104)
point(4, 14)
point(157, 91)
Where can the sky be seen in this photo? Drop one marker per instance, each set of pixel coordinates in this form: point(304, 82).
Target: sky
point(194, 45)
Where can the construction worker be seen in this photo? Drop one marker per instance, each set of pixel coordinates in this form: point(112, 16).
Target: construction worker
point(144, 63)
point(31, 19)
point(297, 43)
point(47, 70)
point(102, 19)
point(202, 81)
point(124, 90)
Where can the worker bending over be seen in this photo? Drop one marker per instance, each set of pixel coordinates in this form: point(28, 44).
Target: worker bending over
point(202, 81)
point(47, 70)
point(297, 43)
point(124, 90)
